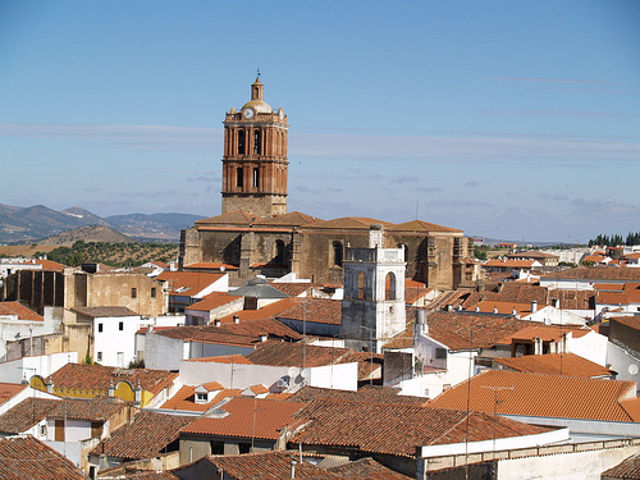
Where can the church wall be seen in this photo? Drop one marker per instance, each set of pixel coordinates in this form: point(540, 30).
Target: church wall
point(416, 252)
point(220, 246)
point(262, 206)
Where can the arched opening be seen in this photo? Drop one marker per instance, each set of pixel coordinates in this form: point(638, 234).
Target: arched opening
point(239, 177)
point(256, 178)
point(241, 142)
point(256, 142)
point(337, 253)
point(360, 292)
point(279, 252)
point(390, 286)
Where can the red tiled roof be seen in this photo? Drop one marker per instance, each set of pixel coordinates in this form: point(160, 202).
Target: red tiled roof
point(23, 313)
point(32, 410)
point(358, 223)
point(547, 333)
point(146, 437)
point(287, 354)
point(368, 393)
point(268, 311)
point(270, 417)
point(628, 469)
point(50, 265)
point(398, 430)
point(184, 399)
point(367, 469)
point(568, 364)
point(630, 321)
point(26, 458)
point(273, 465)
point(421, 226)
point(236, 358)
point(293, 289)
point(495, 262)
point(213, 300)
point(505, 308)
point(230, 218)
point(188, 283)
point(544, 396)
point(289, 219)
point(9, 390)
point(630, 293)
point(532, 254)
point(596, 273)
point(99, 377)
point(315, 310)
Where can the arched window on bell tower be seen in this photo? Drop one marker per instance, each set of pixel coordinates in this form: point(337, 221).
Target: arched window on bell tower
point(390, 286)
point(241, 142)
point(256, 178)
point(256, 142)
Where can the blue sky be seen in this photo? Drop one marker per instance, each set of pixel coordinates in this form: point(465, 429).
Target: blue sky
point(515, 120)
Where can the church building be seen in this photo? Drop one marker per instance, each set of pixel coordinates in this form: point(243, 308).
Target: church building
point(255, 234)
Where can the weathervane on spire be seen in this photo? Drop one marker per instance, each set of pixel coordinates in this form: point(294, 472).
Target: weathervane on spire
point(258, 72)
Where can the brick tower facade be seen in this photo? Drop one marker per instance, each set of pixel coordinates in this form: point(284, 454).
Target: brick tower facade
point(255, 165)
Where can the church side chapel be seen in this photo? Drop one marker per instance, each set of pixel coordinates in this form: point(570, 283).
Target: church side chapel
point(255, 234)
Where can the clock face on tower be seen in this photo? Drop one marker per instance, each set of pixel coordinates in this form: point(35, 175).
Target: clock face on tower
point(248, 113)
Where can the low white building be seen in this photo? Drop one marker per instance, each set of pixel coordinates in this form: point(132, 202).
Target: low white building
point(114, 334)
point(19, 322)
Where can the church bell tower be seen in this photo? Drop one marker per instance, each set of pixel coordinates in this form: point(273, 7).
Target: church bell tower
point(255, 165)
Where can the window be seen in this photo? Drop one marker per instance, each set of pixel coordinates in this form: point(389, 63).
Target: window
point(279, 252)
point(256, 142)
point(239, 178)
point(99, 328)
point(99, 356)
point(256, 177)
point(134, 293)
point(201, 397)
point(337, 253)
point(441, 353)
point(360, 293)
point(241, 142)
point(153, 292)
point(244, 448)
point(43, 430)
point(121, 326)
point(217, 448)
point(390, 286)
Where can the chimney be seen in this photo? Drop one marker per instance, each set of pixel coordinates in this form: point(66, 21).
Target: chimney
point(449, 308)
point(293, 468)
point(236, 319)
point(556, 303)
point(216, 322)
point(111, 389)
point(495, 309)
point(459, 308)
point(477, 309)
point(534, 306)
point(263, 337)
point(514, 312)
point(421, 321)
point(375, 236)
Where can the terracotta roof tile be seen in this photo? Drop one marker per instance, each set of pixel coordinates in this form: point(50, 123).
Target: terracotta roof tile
point(145, 437)
point(26, 457)
point(421, 226)
point(230, 218)
point(394, 429)
point(99, 377)
point(50, 265)
point(262, 466)
point(375, 394)
point(210, 266)
point(315, 310)
point(32, 410)
point(295, 354)
point(358, 223)
point(367, 469)
point(631, 321)
point(213, 300)
point(9, 390)
point(188, 283)
point(564, 397)
point(23, 313)
point(568, 364)
point(97, 312)
point(236, 358)
point(628, 469)
point(497, 263)
point(532, 254)
point(289, 219)
point(268, 311)
point(596, 273)
point(293, 289)
point(184, 399)
point(270, 417)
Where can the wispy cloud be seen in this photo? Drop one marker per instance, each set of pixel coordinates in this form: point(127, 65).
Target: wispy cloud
point(471, 183)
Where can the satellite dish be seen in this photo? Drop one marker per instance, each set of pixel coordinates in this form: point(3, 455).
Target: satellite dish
point(633, 369)
point(547, 321)
point(292, 372)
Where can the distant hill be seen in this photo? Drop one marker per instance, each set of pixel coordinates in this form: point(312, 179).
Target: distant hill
point(159, 226)
point(90, 233)
point(19, 225)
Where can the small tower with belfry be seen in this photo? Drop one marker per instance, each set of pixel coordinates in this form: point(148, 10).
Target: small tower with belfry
point(254, 164)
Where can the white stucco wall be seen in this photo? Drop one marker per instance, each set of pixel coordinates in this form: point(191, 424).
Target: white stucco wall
point(623, 362)
point(44, 365)
point(112, 340)
point(11, 328)
point(343, 376)
point(164, 353)
point(569, 466)
point(591, 346)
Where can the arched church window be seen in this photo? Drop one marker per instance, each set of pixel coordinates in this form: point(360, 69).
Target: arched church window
point(256, 142)
point(256, 177)
point(241, 142)
point(279, 251)
point(337, 253)
point(390, 286)
point(239, 178)
point(361, 285)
